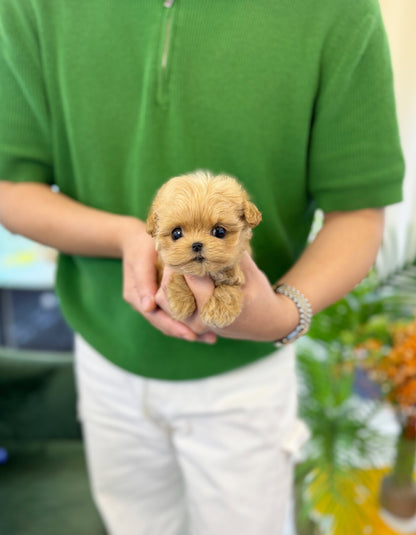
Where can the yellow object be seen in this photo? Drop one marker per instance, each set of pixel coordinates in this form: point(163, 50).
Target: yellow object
point(355, 511)
point(20, 259)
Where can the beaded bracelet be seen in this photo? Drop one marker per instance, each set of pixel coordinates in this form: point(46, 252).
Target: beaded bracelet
point(305, 313)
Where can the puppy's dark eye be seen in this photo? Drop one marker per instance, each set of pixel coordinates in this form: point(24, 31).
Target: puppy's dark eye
point(219, 232)
point(177, 233)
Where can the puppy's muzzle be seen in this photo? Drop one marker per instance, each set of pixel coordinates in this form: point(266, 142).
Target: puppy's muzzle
point(197, 247)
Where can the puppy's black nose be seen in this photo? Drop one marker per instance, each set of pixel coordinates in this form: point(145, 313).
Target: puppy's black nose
point(197, 247)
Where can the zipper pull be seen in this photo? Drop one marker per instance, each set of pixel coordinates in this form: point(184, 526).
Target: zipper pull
point(168, 3)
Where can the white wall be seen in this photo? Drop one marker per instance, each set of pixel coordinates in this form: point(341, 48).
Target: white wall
point(400, 237)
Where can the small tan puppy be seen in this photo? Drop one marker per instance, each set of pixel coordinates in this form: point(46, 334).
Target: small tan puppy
point(202, 226)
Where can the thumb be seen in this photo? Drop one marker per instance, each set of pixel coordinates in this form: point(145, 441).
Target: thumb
point(201, 287)
point(146, 284)
point(166, 275)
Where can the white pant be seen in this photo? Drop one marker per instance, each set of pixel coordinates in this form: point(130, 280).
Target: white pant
point(204, 457)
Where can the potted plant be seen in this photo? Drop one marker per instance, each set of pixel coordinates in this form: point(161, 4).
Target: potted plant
point(391, 362)
point(340, 437)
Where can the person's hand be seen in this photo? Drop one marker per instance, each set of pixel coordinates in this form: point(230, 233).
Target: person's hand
point(140, 283)
point(266, 316)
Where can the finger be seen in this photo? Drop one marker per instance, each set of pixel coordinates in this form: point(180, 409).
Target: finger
point(161, 294)
point(207, 338)
point(201, 287)
point(195, 325)
point(141, 298)
point(248, 266)
point(168, 326)
point(161, 300)
point(167, 274)
point(142, 272)
point(146, 283)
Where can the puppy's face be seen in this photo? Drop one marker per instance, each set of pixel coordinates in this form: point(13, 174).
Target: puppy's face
point(201, 223)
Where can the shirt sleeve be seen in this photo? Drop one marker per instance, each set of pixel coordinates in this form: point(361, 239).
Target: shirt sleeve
point(25, 147)
point(355, 158)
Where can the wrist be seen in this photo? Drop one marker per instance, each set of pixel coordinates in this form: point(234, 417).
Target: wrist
point(303, 313)
point(131, 232)
point(288, 315)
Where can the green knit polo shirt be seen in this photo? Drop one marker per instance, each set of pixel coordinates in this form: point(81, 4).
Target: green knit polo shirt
point(108, 99)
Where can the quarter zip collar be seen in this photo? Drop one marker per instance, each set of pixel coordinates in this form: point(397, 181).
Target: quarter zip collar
point(165, 53)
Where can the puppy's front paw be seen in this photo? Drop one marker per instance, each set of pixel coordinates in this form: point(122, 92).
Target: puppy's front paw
point(223, 307)
point(180, 298)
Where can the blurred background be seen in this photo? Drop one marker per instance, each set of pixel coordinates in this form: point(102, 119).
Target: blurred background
point(356, 368)
point(400, 21)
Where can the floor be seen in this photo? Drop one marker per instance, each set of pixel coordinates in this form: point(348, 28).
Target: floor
point(44, 491)
point(43, 485)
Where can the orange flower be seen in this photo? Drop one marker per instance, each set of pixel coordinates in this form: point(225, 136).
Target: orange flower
point(396, 371)
point(406, 393)
point(372, 344)
point(401, 331)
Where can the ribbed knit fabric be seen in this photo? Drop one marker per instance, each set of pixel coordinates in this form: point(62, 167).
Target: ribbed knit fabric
point(108, 99)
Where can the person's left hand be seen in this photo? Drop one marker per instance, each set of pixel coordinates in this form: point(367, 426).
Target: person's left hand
point(266, 316)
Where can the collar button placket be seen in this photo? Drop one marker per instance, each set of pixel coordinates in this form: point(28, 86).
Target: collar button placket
point(163, 81)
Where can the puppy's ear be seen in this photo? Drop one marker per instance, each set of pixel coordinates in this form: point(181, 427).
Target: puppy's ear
point(151, 222)
point(251, 214)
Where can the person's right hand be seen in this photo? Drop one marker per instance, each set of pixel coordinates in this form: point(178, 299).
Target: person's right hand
point(140, 284)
